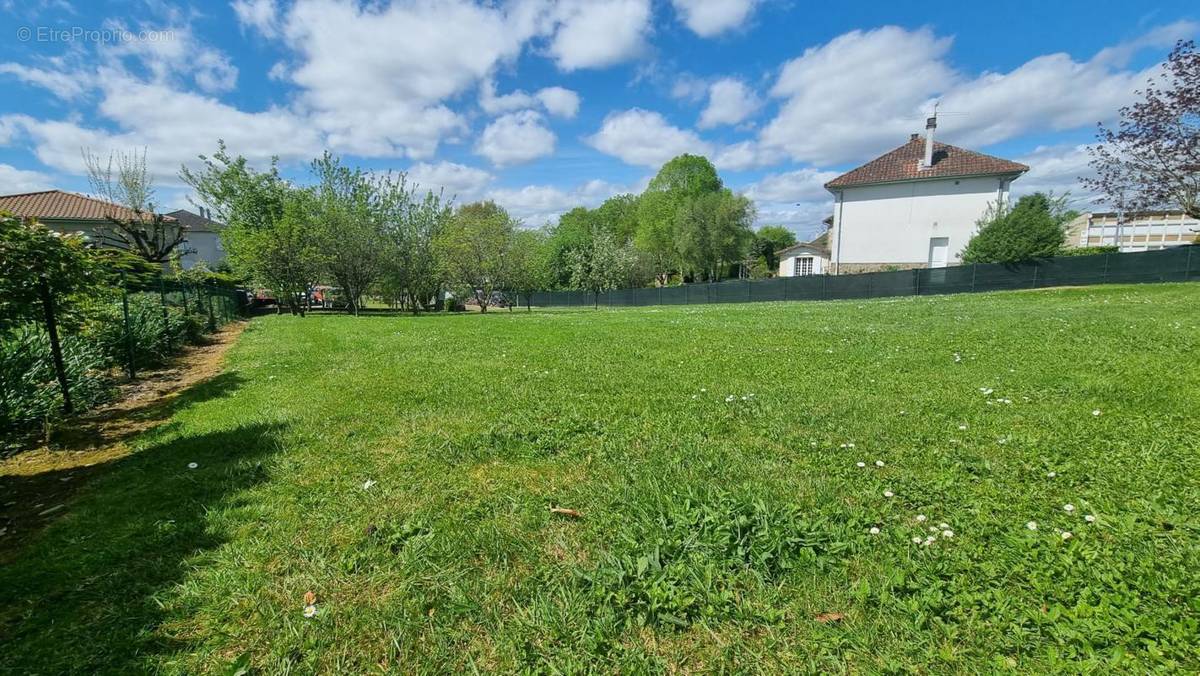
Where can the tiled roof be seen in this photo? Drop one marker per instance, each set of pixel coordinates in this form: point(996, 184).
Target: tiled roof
point(195, 222)
point(60, 205)
point(820, 244)
point(904, 164)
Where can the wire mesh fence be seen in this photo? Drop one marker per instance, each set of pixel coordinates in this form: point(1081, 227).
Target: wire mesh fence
point(1175, 264)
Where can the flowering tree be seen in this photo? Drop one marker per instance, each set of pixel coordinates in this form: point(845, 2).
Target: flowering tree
point(1152, 158)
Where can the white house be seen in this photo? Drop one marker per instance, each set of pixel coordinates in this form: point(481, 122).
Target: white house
point(806, 258)
point(1143, 231)
point(916, 206)
point(203, 241)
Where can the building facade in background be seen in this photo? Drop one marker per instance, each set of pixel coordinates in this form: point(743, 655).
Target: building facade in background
point(806, 258)
point(916, 206)
point(1136, 232)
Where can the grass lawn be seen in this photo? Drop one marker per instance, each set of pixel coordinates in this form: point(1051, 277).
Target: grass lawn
point(712, 454)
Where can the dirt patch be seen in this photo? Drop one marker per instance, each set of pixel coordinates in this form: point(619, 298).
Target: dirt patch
point(38, 482)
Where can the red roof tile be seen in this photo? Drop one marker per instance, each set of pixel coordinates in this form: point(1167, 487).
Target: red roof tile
point(904, 164)
point(60, 205)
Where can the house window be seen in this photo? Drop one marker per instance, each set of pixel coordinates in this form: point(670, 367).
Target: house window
point(804, 266)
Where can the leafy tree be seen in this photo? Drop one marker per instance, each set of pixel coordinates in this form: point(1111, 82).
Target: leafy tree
point(1032, 229)
point(618, 215)
point(410, 267)
point(43, 276)
point(686, 176)
point(287, 256)
point(574, 230)
point(712, 231)
point(128, 185)
point(660, 208)
point(351, 207)
point(474, 250)
point(768, 240)
point(603, 265)
point(530, 262)
point(1152, 159)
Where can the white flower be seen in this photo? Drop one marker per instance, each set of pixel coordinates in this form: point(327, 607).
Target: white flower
point(916, 540)
point(944, 526)
point(193, 465)
point(930, 540)
point(860, 464)
point(1068, 507)
point(947, 533)
point(310, 611)
point(962, 427)
point(1032, 525)
point(879, 463)
point(1090, 518)
point(1051, 474)
point(851, 444)
point(368, 483)
point(1096, 412)
point(888, 494)
point(1066, 535)
point(933, 529)
point(920, 517)
point(874, 530)
point(703, 389)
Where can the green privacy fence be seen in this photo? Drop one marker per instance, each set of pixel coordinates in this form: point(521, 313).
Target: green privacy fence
point(1176, 264)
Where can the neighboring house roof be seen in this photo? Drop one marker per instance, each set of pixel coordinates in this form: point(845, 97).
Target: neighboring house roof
point(196, 222)
point(58, 205)
point(904, 164)
point(820, 246)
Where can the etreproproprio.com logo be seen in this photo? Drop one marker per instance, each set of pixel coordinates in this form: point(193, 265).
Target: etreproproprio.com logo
point(84, 34)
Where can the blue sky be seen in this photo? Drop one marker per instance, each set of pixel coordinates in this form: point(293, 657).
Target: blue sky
point(544, 105)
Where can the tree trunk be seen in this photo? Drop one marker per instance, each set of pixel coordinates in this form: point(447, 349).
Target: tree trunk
point(55, 349)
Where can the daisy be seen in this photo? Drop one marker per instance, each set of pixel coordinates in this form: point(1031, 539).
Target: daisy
point(860, 464)
point(874, 530)
point(944, 526)
point(1066, 535)
point(920, 517)
point(310, 611)
point(193, 465)
point(916, 540)
point(879, 463)
point(930, 540)
point(1068, 507)
point(368, 483)
point(947, 533)
point(1090, 518)
point(1096, 412)
point(1051, 474)
point(962, 427)
point(1032, 525)
point(888, 494)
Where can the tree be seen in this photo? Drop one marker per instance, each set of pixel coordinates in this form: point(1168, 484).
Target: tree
point(474, 250)
point(574, 230)
point(713, 230)
point(137, 227)
point(351, 208)
point(410, 267)
point(603, 265)
point(618, 215)
point(530, 262)
point(1032, 229)
point(684, 178)
point(686, 175)
point(44, 273)
point(768, 240)
point(1152, 159)
point(271, 231)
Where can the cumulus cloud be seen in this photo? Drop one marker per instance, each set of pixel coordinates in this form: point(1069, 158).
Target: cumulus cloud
point(1056, 168)
point(890, 78)
point(801, 185)
point(746, 155)
point(63, 84)
point(599, 34)
point(16, 180)
point(456, 180)
point(557, 101)
point(645, 138)
point(707, 18)
point(539, 204)
point(516, 138)
point(261, 15)
point(730, 101)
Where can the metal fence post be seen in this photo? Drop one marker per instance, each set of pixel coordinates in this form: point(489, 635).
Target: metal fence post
point(212, 320)
point(128, 329)
point(974, 271)
point(916, 281)
point(60, 371)
point(162, 301)
point(1187, 268)
point(1035, 270)
point(1104, 275)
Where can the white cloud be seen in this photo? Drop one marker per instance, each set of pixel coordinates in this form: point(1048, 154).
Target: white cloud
point(457, 180)
point(261, 15)
point(599, 34)
point(1055, 168)
point(707, 18)
point(746, 155)
point(559, 102)
point(538, 204)
point(645, 138)
point(64, 85)
point(890, 77)
point(516, 138)
point(556, 100)
point(13, 180)
point(730, 101)
point(173, 58)
point(806, 184)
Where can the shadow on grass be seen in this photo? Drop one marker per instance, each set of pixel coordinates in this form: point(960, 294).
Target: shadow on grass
point(83, 597)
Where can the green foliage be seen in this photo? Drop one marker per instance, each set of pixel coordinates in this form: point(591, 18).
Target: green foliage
point(768, 240)
point(713, 230)
point(1088, 250)
point(602, 265)
point(29, 393)
point(475, 250)
point(1032, 229)
point(155, 335)
point(31, 253)
point(686, 176)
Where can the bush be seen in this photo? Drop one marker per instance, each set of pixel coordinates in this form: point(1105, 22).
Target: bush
point(1032, 229)
point(29, 391)
point(1089, 251)
point(155, 337)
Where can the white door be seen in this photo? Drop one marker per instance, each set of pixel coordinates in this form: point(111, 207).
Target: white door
point(939, 251)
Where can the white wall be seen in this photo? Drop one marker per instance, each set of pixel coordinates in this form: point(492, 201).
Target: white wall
point(788, 268)
point(204, 246)
point(893, 223)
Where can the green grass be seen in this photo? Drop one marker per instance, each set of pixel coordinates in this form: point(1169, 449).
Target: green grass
point(715, 531)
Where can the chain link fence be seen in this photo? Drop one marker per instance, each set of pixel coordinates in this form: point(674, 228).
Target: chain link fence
point(1176, 264)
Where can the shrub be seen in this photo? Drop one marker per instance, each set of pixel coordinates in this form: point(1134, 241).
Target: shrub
point(1089, 251)
point(29, 391)
point(154, 336)
point(1032, 229)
